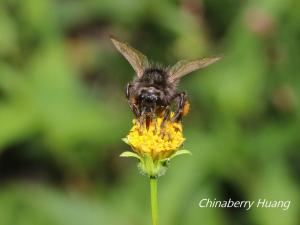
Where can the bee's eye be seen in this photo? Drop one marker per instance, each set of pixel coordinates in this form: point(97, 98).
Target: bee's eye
point(149, 97)
point(153, 97)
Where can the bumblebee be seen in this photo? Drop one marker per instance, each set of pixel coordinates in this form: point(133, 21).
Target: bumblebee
point(153, 91)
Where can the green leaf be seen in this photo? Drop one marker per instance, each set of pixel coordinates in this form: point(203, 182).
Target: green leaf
point(165, 162)
point(125, 140)
point(181, 152)
point(130, 154)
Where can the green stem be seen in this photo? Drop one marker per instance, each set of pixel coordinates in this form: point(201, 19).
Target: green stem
point(153, 191)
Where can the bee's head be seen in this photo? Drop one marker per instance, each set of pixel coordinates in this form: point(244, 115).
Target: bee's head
point(150, 96)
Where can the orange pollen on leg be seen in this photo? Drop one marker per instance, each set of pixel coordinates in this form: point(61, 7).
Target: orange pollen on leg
point(186, 108)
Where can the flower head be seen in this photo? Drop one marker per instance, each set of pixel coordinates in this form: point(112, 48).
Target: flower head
point(159, 143)
point(155, 144)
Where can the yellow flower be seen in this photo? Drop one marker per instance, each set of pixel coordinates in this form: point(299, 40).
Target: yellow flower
point(154, 141)
point(155, 145)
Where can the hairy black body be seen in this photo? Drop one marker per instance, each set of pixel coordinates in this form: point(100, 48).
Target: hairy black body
point(152, 95)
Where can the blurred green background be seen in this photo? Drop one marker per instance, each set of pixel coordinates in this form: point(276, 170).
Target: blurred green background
point(63, 111)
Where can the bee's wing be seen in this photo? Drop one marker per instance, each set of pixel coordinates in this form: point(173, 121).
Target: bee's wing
point(137, 60)
point(185, 67)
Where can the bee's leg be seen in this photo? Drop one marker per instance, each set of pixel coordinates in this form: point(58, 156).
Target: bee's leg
point(154, 117)
point(127, 92)
point(142, 120)
point(132, 106)
point(154, 120)
point(167, 113)
point(135, 110)
point(179, 111)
